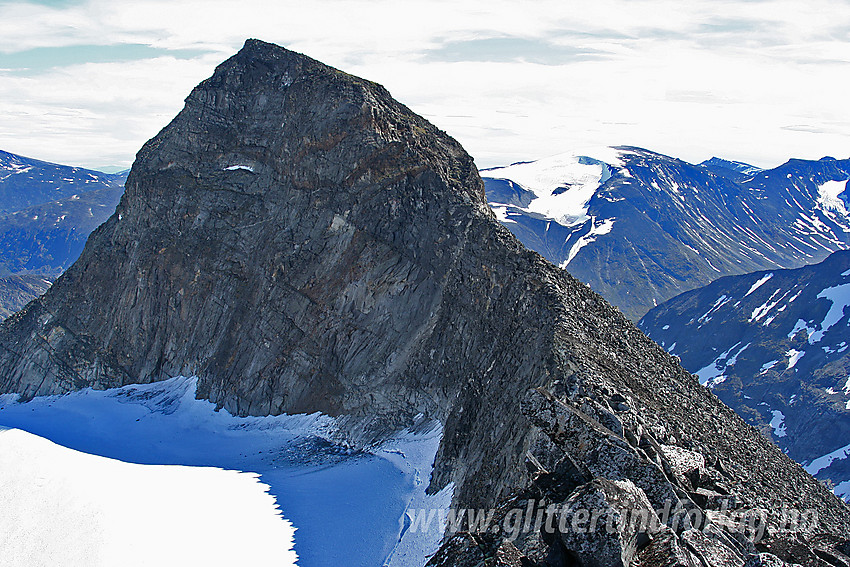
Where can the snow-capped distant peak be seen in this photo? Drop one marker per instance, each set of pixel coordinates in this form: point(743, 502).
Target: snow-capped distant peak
point(563, 184)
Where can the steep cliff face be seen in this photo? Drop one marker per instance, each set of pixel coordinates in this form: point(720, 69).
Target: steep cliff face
point(302, 242)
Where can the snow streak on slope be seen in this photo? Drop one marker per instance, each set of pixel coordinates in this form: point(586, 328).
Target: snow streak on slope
point(825, 461)
point(327, 491)
point(759, 283)
point(840, 297)
point(828, 196)
point(596, 229)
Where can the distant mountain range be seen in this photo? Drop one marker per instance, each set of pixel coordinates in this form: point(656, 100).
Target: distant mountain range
point(640, 227)
point(25, 182)
point(775, 347)
point(19, 289)
point(47, 212)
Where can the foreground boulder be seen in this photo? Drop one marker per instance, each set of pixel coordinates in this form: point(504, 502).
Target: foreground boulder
point(302, 242)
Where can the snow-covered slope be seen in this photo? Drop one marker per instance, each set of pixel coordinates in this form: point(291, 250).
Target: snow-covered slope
point(65, 507)
point(640, 227)
point(560, 187)
point(147, 474)
point(775, 346)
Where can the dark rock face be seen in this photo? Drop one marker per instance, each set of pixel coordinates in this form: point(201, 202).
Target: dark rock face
point(655, 226)
point(774, 347)
point(302, 242)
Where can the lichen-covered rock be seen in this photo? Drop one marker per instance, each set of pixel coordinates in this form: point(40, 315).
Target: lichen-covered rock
point(473, 550)
point(666, 550)
point(605, 522)
point(711, 550)
point(461, 550)
point(684, 464)
point(766, 560)
point(599, 450)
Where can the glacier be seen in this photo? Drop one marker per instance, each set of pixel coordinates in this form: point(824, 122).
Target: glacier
point(147, 474)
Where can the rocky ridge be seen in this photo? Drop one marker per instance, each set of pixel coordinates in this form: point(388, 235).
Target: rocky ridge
point(302, 242)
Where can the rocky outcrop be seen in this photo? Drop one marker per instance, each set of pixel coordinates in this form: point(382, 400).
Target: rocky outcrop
point(642, 503)
point(300, 241)
point(625, 521)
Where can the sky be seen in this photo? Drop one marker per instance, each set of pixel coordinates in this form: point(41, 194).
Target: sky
point(88, 82)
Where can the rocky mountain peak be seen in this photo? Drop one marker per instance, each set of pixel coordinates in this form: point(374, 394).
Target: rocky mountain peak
point(300, 242)
point(267, 104)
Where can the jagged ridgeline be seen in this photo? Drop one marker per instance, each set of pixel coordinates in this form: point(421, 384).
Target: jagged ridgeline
point(302, 242)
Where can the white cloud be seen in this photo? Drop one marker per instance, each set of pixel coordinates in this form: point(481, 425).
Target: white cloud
point(754, 81)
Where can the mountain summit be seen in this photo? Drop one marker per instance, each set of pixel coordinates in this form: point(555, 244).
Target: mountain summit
point(300, 242)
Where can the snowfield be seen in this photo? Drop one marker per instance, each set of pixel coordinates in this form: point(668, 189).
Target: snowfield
point(148, 475)
point(563, 184)
point(65, 507)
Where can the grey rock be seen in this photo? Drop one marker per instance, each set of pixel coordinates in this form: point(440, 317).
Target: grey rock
point(711, 550)
point(507, 555)
point(604, 523)
point(683, 462)
point(461, 550)
point(766, 560)
point(666, 550)
point(711, 500)
point(599, 450)
point(472, 550)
